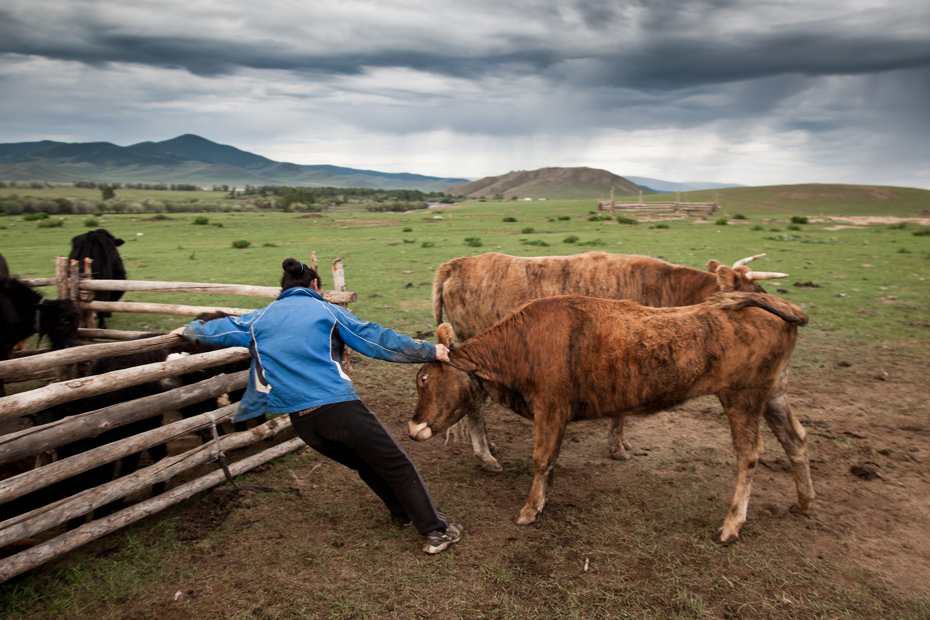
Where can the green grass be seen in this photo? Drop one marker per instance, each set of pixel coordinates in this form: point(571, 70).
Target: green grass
point(870, 282)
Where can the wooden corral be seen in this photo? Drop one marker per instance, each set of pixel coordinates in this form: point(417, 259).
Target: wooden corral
point(665, 209)
point(32, 442)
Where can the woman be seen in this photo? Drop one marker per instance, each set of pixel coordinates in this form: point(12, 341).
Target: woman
point(297, 344)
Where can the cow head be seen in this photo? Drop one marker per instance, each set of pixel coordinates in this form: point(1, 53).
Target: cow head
point(445, 391)
point(58, 319)
point(739, 277)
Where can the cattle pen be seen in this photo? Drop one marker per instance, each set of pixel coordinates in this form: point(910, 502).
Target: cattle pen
point(31, 443)
point(678, 208)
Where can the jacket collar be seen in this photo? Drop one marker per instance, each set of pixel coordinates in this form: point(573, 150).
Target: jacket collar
point(299, 290)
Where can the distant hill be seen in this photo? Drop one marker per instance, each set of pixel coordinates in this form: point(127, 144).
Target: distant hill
point(187, 159)
point(659, 186)
point(552, 183)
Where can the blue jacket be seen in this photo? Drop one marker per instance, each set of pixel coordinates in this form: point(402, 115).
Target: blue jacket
point(296, 344)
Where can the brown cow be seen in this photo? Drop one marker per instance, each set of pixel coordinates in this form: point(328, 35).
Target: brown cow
point(478, 291)
point(569, 358)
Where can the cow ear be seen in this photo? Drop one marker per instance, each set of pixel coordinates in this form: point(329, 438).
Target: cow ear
point(445, 334)
point(712, 266)
point(726, 279)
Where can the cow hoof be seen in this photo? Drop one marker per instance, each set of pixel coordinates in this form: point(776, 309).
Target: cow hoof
point(521, 520)
point(492, 466)
point(727, 540)
point(620, 455)
point(797, 510)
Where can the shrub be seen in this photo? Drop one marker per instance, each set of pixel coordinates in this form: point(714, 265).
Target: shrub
point(793, 227)
point(92, 222)
point(528, 230)
point(923, 232)
point(268, 244)
point(721, 221)
point(622, 219)
point(240, 244)
point(570, 239)
point(410, 240)
point(201, 221)
point(594, 218)
point(564, 218)
point(510, 219)
point(740, 216)
point(539, 242)
point(757, 227)
point(660, 225)
point(406, 229)
point(594, 242)
point(427, 244)
point(799, 219)
point(31, 217)
point(898, 226)
point(474, 242)
point(51, 223)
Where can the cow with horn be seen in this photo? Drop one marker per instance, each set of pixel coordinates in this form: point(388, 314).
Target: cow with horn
point(478, 291)
point(561, 359)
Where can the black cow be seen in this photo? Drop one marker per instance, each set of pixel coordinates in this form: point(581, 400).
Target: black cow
point(18, 305)
point(107, 472)
point(100, 246)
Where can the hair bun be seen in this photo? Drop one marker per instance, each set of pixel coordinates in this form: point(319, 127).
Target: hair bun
point(292, 266)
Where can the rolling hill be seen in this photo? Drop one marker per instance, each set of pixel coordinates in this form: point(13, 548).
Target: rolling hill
point(551, 183)
point(187, 159)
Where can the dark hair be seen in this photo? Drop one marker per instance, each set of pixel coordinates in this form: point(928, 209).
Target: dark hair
point(297, 274)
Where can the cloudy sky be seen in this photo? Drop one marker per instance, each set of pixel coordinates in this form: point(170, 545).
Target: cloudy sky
point(753, 92)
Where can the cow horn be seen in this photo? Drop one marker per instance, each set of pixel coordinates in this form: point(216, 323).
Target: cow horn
point(748, 259)
point(765, 275)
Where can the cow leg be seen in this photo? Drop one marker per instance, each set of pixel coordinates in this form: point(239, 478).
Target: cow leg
point(793, 438)
point(616, 442)
point(744, 416)
point(478, 432)
point(545, 453)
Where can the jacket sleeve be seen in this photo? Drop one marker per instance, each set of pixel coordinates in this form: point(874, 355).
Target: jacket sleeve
point(232, 331)
point(379, 342)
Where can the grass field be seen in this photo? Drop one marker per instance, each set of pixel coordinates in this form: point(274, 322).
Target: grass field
point(618, 540)
point(871, 277)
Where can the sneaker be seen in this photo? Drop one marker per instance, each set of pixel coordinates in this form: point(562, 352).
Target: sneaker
point(437, 541)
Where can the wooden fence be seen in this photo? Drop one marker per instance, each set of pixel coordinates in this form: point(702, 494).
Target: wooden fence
point(33, 441)
point(674, 209)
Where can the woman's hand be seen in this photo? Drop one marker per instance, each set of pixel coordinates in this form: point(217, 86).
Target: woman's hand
point(178, 331)
point(442, 353)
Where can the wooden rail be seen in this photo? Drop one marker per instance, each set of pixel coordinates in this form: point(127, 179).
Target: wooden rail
point(677, 207)
point(31, 441)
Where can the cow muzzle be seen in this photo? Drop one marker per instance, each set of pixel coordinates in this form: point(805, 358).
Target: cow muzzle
point(419, 432)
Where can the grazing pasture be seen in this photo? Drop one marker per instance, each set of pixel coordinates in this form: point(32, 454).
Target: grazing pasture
point(620, 539)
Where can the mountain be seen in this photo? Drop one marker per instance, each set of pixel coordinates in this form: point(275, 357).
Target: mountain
point(661, 187)
point(552, 183)
point(187, 159)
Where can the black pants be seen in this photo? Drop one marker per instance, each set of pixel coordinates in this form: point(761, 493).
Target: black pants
point(352, 435)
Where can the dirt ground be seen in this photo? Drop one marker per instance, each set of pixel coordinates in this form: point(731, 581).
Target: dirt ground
point(610, 526)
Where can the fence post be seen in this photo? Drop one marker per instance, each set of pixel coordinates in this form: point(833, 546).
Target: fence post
point(61, 278)
point(339, 284)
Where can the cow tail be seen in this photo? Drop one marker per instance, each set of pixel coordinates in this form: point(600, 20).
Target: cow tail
point(735, 301)
point(799, 319)
point(439, 281)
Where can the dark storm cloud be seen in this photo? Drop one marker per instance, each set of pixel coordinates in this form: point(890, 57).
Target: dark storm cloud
point(650, 46)
point(814, 78)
